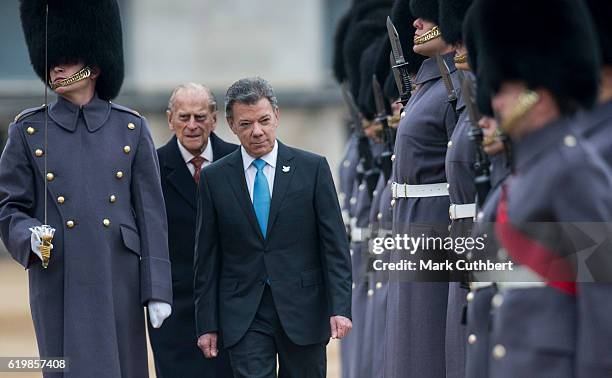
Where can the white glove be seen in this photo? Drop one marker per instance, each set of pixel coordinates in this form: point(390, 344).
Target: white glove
point(36, 240)
point(158, 312)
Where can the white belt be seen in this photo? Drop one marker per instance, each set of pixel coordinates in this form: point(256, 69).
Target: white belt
point(505, 286)
point(467, 210)
point(383, 233)
point(480, 285)
point(418, 191)
point(360, 234)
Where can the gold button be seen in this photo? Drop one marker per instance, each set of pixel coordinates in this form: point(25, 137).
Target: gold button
point(70, 224)
point(393, 157)
point(472, 339)
point(30, 130)
point(112, 198)
point(106, 222)
point(570, 141)
point(119, 174)
point(499, 352)
point(370, 292)
point(362, 187)
point(470, 296)
point(353, 286)
point(353, 200)
point(497, 300)
point(375, 193)
point(346, 163)
point(39, 152)
point(50, 176)
point(61, 200)
point(127, 149)
point(379, 285)
point(131, 126)
point(379, 216)
point(393, 202)
point(402, 114)
point(450, 143)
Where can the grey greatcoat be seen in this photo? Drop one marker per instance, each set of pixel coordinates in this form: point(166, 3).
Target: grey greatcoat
point(417, 310)
point(110, 254)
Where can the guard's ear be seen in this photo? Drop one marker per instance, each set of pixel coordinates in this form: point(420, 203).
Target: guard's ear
point(95, 72)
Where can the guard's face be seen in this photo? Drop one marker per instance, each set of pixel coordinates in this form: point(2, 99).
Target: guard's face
point(505, 103)
point(191, 120)
point(430, 48)
point(491, 141)
point(459, 52)
point(64, 71)
point(255, 126)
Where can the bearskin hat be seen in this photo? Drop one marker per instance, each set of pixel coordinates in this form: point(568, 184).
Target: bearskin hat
point(425, 9)
point(452, 13)
point(601, 10)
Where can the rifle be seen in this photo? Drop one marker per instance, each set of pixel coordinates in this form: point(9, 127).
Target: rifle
point(385, 161)
point(482, 179)
point(366, 170)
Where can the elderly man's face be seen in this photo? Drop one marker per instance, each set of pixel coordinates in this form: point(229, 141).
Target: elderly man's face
point(255, 126)
point(191, 119)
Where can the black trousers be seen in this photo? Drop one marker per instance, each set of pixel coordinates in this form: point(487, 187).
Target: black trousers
point(254, 356)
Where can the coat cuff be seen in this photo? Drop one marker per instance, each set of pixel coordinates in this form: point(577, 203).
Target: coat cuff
point(155, 280)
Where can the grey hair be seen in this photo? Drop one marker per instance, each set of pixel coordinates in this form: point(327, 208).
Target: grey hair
point(249, 91)
point(212, 101)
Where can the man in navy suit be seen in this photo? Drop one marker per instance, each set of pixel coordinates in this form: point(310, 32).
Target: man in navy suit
point(272, 269)
point(192, 117)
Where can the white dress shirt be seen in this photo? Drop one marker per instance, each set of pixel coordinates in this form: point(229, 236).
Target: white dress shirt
point(250, 171)
point(207, 154)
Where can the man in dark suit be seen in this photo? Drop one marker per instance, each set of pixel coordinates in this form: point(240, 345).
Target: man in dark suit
point(272, 266)
point(192, 116)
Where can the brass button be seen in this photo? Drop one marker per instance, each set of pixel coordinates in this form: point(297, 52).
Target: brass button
point(379, 216)
point(497, 300)
point(393, 157)
point(70, 224)
point(375, 193)
point(370, 292)
point(570, 141)
point(50, 176)
point(499, 352)
point(30, 130)
point(353, 200)
point(379, 285)
point(112, 198)
point(353, 286)
point(119, 174)
point(106, 222)
point(362, 187)
point(393, 202)
point(39, 152)
point(131, 126)
point(346, 163)
point(127, 149)
point(472, 339)
point(470, 296)
point(61, 200)
point(450, 143)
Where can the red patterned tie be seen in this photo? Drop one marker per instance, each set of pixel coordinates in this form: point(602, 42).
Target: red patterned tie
point(197, 164)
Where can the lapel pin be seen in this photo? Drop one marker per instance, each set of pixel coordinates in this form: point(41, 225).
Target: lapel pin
point(286, 168)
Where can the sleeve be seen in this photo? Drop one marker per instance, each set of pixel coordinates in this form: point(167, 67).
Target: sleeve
point(207, 262)
point(333, 243)
point(150, 211)
point(17, 198)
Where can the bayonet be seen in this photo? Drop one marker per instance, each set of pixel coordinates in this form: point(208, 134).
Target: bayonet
point(448, 82)
point(399, 66)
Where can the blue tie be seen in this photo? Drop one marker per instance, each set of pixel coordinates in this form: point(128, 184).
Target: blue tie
point(261, 196)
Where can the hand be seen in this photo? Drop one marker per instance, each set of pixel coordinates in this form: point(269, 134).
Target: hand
point(158, 312)
point(340, 326)
point(36, 243)
point(208, 344)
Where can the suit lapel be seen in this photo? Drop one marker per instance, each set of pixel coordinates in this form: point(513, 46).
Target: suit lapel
point(238, 183)
point(178, 174)
point(282, 178)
